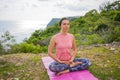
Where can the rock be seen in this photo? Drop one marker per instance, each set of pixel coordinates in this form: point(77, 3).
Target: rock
point(108, 61)
point(2, 59)
point(19, 64)
point(116, 52)
point(112, 49)
point(15, 79)
point(106, 44)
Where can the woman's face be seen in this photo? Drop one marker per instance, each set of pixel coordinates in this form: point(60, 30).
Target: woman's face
point(65, 25)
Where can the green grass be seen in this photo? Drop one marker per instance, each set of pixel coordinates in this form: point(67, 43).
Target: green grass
point(8, 69)
point(30, 67)
point(105, 64)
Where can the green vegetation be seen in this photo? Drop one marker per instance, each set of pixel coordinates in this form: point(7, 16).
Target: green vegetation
point(92, 28)
point(28, 48)
point(105, 61)
point(23, 67)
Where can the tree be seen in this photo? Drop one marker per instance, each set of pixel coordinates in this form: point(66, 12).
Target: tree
point(6, 40)
point(1, 48)
point(109, 6)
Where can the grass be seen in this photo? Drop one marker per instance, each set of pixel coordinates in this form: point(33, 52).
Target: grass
point(23, 67)
point(8, 70)
point(105, 64)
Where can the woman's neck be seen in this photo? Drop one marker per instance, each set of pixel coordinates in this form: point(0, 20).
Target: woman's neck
point(64, 33)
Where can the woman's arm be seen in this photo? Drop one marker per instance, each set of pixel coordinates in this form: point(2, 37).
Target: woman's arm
point(51, 48)
point(74, 49)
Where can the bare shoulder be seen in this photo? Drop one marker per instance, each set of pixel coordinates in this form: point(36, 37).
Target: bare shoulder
point(71, 35)
point(54, 37)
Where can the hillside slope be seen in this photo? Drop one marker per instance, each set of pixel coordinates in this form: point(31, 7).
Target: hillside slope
point(27, 66)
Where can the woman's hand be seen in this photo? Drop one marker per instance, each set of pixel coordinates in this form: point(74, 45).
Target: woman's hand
point(65, 62)
point(75, 63)
point(72, 64)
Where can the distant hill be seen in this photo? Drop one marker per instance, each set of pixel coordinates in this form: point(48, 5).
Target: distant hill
point(53, 21)
point(56, 20)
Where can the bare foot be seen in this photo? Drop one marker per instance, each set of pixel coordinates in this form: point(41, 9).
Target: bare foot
point(75, 63)
point(62, 72)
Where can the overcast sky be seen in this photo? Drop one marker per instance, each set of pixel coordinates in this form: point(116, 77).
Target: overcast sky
point(29, 15)
point(44, 10)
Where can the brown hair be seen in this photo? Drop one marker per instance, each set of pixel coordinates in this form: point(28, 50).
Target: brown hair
point(62, 20)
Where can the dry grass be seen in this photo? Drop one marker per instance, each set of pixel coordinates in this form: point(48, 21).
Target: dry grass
point(28, 66)
point(105, 61)
point(23, 67)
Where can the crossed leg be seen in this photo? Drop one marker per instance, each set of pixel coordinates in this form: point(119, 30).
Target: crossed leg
point(71, 65)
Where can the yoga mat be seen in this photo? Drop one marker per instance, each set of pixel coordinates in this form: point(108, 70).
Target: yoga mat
point(77, 75)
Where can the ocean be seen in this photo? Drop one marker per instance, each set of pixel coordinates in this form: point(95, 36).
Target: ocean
point(20, 29)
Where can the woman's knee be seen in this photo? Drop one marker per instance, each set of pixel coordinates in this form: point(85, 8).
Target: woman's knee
point(54, 68)
point(57, 67)
point(80, 60)
point(83, 60)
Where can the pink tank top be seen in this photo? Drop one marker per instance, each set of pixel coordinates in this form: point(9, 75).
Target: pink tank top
point(63, 46)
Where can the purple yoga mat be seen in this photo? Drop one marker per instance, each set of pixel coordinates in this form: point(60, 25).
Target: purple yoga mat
point(77, 75)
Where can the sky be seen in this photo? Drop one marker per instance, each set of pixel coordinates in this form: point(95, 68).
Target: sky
point(22, 17)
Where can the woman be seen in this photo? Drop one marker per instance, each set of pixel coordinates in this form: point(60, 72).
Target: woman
point(65, 46)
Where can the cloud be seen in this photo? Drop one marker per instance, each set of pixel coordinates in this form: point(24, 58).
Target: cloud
point(79, 5)
point(45, 9)
point(43, 0)
point(26, 10)
point(73, 5)
point(76, 8)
